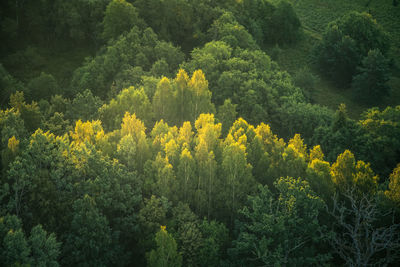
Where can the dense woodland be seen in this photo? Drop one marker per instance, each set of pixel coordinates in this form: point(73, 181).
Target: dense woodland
point(176, 133)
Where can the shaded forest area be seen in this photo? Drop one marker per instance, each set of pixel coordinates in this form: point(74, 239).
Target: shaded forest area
point(177, 133)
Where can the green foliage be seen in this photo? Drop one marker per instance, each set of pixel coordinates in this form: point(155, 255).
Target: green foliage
point(370, 84)
point(188, 234)
point(228, 30)
point(249, 78)
point(136, 48)
point(268, 22)
point(30, 113)
point(384, 130)
point(44, 248)
point(39, 249)
point(347, 175)
point(166, 253)
point(182, 99)
point(305, 79)
point(284, 25)
point(132, 100)
point(346, 42)
point(88, 226)
point(165, 158)
point(43, 86)
point(282, 230)
point(120, 17)
point(79, 20)
point(215, 240)
point(8, 85)
point(227, 115)
point(84, 106)
point(183, 22)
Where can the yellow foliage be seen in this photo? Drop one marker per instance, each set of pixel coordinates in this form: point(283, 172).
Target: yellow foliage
point(132, 125)
point(394, 186)
point(198, 82)
point(297, 144)
point(185, 133)
point(89, 131)
point(182, 79)
point(13, 144)
point(164, 84)
point(316, 153)
point(17, 100)
point(346, 173)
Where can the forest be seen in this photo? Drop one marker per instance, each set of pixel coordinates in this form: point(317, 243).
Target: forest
point(200, 133)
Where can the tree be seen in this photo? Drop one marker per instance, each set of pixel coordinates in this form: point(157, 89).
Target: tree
point(346, 42)
point(14, 246)
point(337, 56)
point(38, 249)
point(8, 86)
point(151, 216)
point(183, 96)
point(347, 174)
point(187, 234)
point(120, 17)
point(227, 115)
point(393, 193)
point(215, 240)
point(208, 146)
point(43, 86)
point(133, 148)
point(163, 101)
point(227, 29)
point(30, 113)
point(88, 226)
point(201, 96)
point(358, 237)
point(284, 25)
point(319, 175)
point(166, 253)
point(237, 176)
point(281, 230)
point(383, 129)
point(132, 100)
point(44, 248)
point(370, 84)
point(84, 107)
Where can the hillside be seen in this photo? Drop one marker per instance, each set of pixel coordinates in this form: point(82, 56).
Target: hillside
point(199, 133)
point(315, 16)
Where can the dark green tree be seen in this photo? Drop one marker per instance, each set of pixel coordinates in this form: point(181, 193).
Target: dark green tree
point(120, 17)
point(346, 42)
point(42, 87)
point(370, 84)
point(88, 226)
point(281, 230)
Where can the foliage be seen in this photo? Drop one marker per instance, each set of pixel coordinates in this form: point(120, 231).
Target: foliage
point(177, 124)
point(120, 17)
point(370, 84)
point(166, 253)
point(346, 42)
point(42, 86)
point(282, 230)
point(39, 248)
point(357, 238)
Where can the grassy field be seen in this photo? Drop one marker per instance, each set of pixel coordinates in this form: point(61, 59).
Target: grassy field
point(315, 16)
